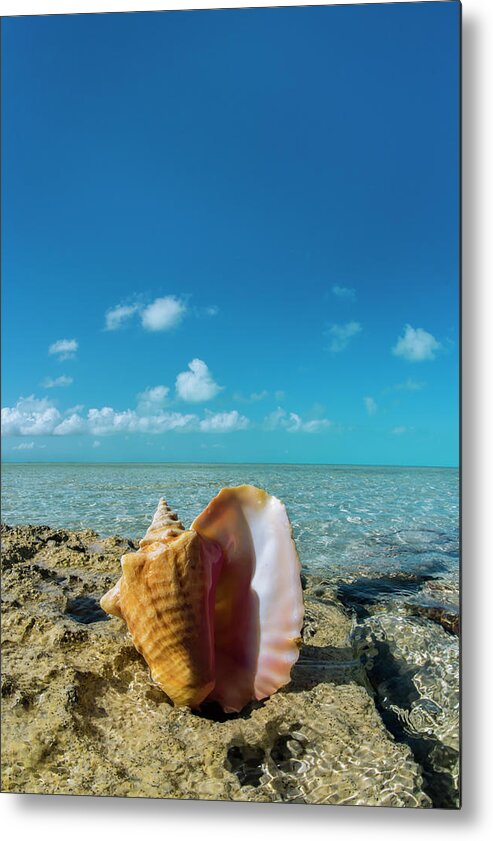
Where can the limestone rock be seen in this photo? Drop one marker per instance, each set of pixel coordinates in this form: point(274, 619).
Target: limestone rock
point(82, 716)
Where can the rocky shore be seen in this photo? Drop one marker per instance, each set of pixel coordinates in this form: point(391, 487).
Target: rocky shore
point(80, 714)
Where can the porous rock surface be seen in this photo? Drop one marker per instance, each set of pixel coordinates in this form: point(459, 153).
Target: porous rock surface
point(82, 716)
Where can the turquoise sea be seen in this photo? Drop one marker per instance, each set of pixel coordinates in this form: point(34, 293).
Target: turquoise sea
point(346, 520)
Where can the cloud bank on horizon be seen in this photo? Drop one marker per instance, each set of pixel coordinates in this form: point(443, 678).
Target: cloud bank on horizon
point(154, 413)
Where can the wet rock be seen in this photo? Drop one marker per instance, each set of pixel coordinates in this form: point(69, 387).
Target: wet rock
point(411, 665)
point(448, 619)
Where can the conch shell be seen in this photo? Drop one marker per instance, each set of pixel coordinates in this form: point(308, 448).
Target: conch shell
point(215, 610)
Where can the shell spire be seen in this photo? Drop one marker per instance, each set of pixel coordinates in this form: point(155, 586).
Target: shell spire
point(165, 525)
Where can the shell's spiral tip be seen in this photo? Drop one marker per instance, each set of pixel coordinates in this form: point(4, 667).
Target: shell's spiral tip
point(164, 523)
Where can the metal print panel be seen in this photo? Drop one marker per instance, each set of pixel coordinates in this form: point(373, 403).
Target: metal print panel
point(230, 406)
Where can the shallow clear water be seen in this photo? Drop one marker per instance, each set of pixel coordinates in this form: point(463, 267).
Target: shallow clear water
point(346, 520)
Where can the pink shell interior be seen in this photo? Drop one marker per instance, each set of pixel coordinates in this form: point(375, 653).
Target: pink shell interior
point(258, 609)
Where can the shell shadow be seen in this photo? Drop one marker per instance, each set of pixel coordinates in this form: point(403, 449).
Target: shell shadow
point(212, 711)
point(323, 664)
point(85, 610)
point(362, 593)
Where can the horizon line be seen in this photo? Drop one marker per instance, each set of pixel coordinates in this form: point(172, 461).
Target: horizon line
point(244, 464)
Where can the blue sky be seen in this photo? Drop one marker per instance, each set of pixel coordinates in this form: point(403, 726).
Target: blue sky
point(232, 236)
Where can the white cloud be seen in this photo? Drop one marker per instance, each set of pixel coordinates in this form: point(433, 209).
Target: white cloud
point(345, 292)
point(58, 382)
point(30, 417)
point(38, 417)
point(71, 425)
point(64, 349)
point(163, 313)
point(152, 398)
point(118, 316)
point(274, 419)
point(29, 445)
point(197, 384)
point(370, 405)
point(409, 385)
point(292, 422)
point(35, 417)
point(96, 444)
point(254, 397)
point(224, 422)
point(168, 422)
point(315, 425)
point(399, 430)
point(341, 335)
point(416, 345)
point(106, 421)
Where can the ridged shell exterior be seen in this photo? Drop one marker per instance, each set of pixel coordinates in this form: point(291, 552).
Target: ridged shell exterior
point(166, 597)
